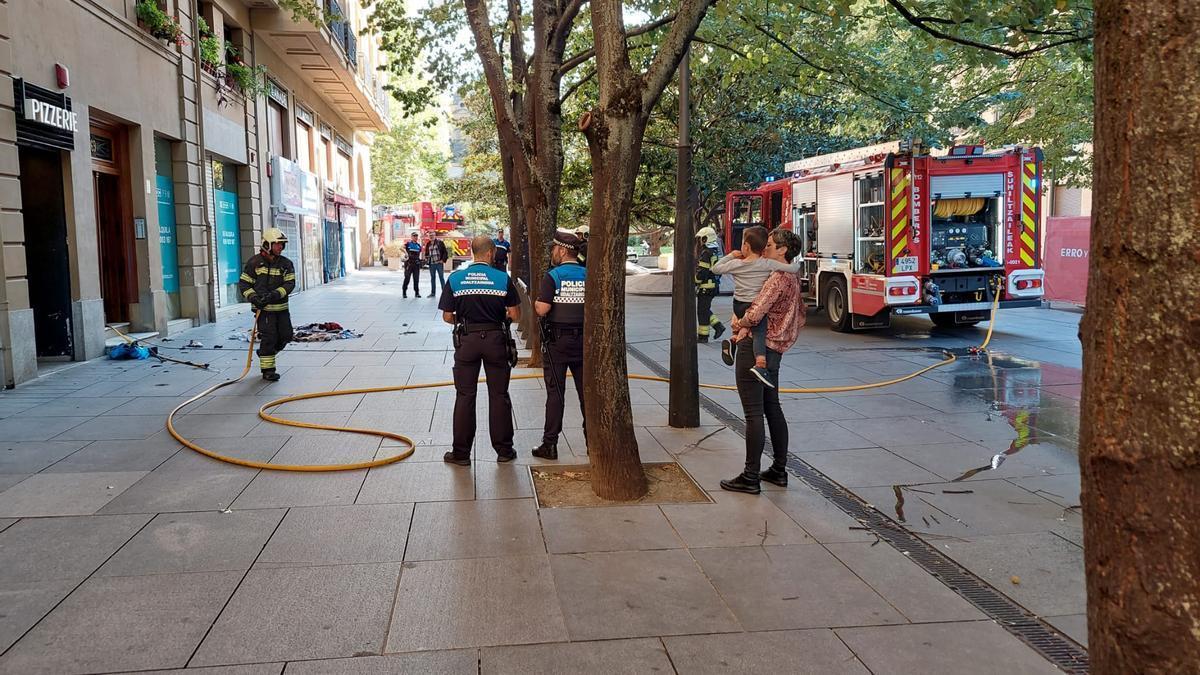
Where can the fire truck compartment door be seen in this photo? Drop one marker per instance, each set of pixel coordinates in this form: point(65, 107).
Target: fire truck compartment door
point(974, 185)
point(804, 194)
point(835, 214)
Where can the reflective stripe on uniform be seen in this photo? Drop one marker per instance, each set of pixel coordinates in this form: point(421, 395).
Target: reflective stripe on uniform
point(265, 362)
point(246, 278)
point(289, 277)
point(705, 265)
point(281, 291)
point(248, 293)
point(278, 307)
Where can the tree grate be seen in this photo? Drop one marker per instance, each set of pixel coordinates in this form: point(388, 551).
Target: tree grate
point(1061, 651)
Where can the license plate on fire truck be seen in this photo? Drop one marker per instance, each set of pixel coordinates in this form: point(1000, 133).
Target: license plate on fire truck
point(905, 264)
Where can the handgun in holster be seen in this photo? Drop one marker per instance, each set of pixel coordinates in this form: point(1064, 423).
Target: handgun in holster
point(546, 330)
point(460, 328)
point(510, 344)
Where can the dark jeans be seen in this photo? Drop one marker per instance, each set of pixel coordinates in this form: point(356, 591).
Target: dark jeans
point(758, 331)
point(566, 352)
point(486, 348)
point(412, 272)
point(759, 401)
point(439, 270)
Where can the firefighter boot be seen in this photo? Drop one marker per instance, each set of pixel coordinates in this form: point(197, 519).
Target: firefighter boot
point(270, 375)
point(742, 483)
point(546, 451)
point(776, 476)
point(718, 330)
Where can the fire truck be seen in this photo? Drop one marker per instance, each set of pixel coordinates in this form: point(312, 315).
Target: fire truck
point(397, 223)
point(890, 229)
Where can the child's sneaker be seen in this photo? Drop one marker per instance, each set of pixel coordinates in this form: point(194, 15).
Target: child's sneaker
point(727, 351)
point(763, 376)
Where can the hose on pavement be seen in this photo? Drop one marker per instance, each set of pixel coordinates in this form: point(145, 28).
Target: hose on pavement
point(411, 446)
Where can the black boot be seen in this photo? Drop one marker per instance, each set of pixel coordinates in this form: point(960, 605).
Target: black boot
point(546, 451)
point(776, 476)
point(506, 456)
point(451, 458)
point(270, 375)
point(718, 330)
point(741, 483)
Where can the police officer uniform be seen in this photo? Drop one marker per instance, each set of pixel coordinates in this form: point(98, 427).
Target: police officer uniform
point(479, 295)
point(412, 267)
point(503, 248)
point(707, 285)
point(562, 337)
point(266, 281)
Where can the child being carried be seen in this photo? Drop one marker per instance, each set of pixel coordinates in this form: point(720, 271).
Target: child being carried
point(750, 270)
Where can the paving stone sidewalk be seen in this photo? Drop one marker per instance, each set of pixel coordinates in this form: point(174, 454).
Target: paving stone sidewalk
point(122, 551)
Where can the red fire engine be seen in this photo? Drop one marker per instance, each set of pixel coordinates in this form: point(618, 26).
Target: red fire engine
point(890, 229)
point(397, 223)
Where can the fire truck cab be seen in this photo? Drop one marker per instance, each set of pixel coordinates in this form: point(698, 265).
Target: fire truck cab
point(888, 229)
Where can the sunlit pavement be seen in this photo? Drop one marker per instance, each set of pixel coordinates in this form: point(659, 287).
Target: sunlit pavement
point(121, 551)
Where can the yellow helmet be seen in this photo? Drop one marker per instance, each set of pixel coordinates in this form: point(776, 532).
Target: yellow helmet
point(272, 235)
point(706, 234)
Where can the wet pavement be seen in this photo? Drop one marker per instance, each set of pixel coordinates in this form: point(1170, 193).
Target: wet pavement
point(979, 457)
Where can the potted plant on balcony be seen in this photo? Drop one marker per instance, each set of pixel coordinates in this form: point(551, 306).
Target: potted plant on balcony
point(210, 48)
point(158, 23)
point(250, 80)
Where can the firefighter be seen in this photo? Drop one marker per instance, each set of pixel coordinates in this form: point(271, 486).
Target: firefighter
point(707, 285)
point(582, 232)
point(412, 265)
point(480, 301)
point(560, 304)
point(266, 282)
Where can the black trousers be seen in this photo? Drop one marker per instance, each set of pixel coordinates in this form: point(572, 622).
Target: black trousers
point(759, 401)
point(412, 272)
point(488, 349)
point(274, 332)
point(565, 353)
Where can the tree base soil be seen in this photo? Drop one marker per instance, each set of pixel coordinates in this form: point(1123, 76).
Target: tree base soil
point(571, 485)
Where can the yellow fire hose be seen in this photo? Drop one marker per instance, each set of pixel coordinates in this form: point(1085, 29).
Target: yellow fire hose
point(262, 411)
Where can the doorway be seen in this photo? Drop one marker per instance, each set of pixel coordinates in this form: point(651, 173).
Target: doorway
point(114, 223)
point(46, 256)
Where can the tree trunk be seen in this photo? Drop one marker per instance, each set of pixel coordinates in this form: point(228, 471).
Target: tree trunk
point(615, 146)
point(1140, 445)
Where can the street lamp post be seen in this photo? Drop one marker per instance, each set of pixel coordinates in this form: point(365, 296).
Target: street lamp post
point(684, 408)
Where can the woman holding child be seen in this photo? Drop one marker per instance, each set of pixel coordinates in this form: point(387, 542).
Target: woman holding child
point(778, 307)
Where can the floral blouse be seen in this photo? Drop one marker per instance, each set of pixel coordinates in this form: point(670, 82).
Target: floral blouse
point(779, 301)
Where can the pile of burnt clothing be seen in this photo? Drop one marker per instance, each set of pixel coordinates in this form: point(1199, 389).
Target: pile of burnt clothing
point(323, 332)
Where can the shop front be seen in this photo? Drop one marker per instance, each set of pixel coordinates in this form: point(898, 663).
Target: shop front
point(46, 126)
point(295, 202)
point(341, 222)
point(227, 236)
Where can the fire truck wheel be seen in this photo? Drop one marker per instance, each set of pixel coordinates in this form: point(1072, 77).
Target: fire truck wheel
point(837, 307)
point(947, 320)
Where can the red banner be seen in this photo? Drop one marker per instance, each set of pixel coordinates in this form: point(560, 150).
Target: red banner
point(1066, 258)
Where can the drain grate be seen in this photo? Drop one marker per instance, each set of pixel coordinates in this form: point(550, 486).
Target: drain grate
point(1059, 650)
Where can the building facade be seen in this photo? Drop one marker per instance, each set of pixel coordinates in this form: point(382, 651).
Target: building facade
point(144, 146)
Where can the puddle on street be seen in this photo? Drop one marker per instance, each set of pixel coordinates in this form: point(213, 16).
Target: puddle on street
point(1012, 387)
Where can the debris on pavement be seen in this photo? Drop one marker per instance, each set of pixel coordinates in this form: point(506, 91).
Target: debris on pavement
point(194, 344)
point(324, 332)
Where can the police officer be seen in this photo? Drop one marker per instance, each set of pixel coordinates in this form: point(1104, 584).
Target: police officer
point(412, 265)
point(479, 300)
point(707, 285)
point(267, 280)
point(503, 248)
point(560, 304)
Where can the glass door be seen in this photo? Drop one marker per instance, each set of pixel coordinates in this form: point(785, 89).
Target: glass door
point(868, 225)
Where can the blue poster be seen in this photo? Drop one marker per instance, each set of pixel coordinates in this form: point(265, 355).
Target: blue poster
point(166, 234)
point(228, 237)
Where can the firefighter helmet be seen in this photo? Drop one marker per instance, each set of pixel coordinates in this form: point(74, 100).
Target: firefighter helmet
point(582, 231)
point(706, 234)
point(272, 235)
